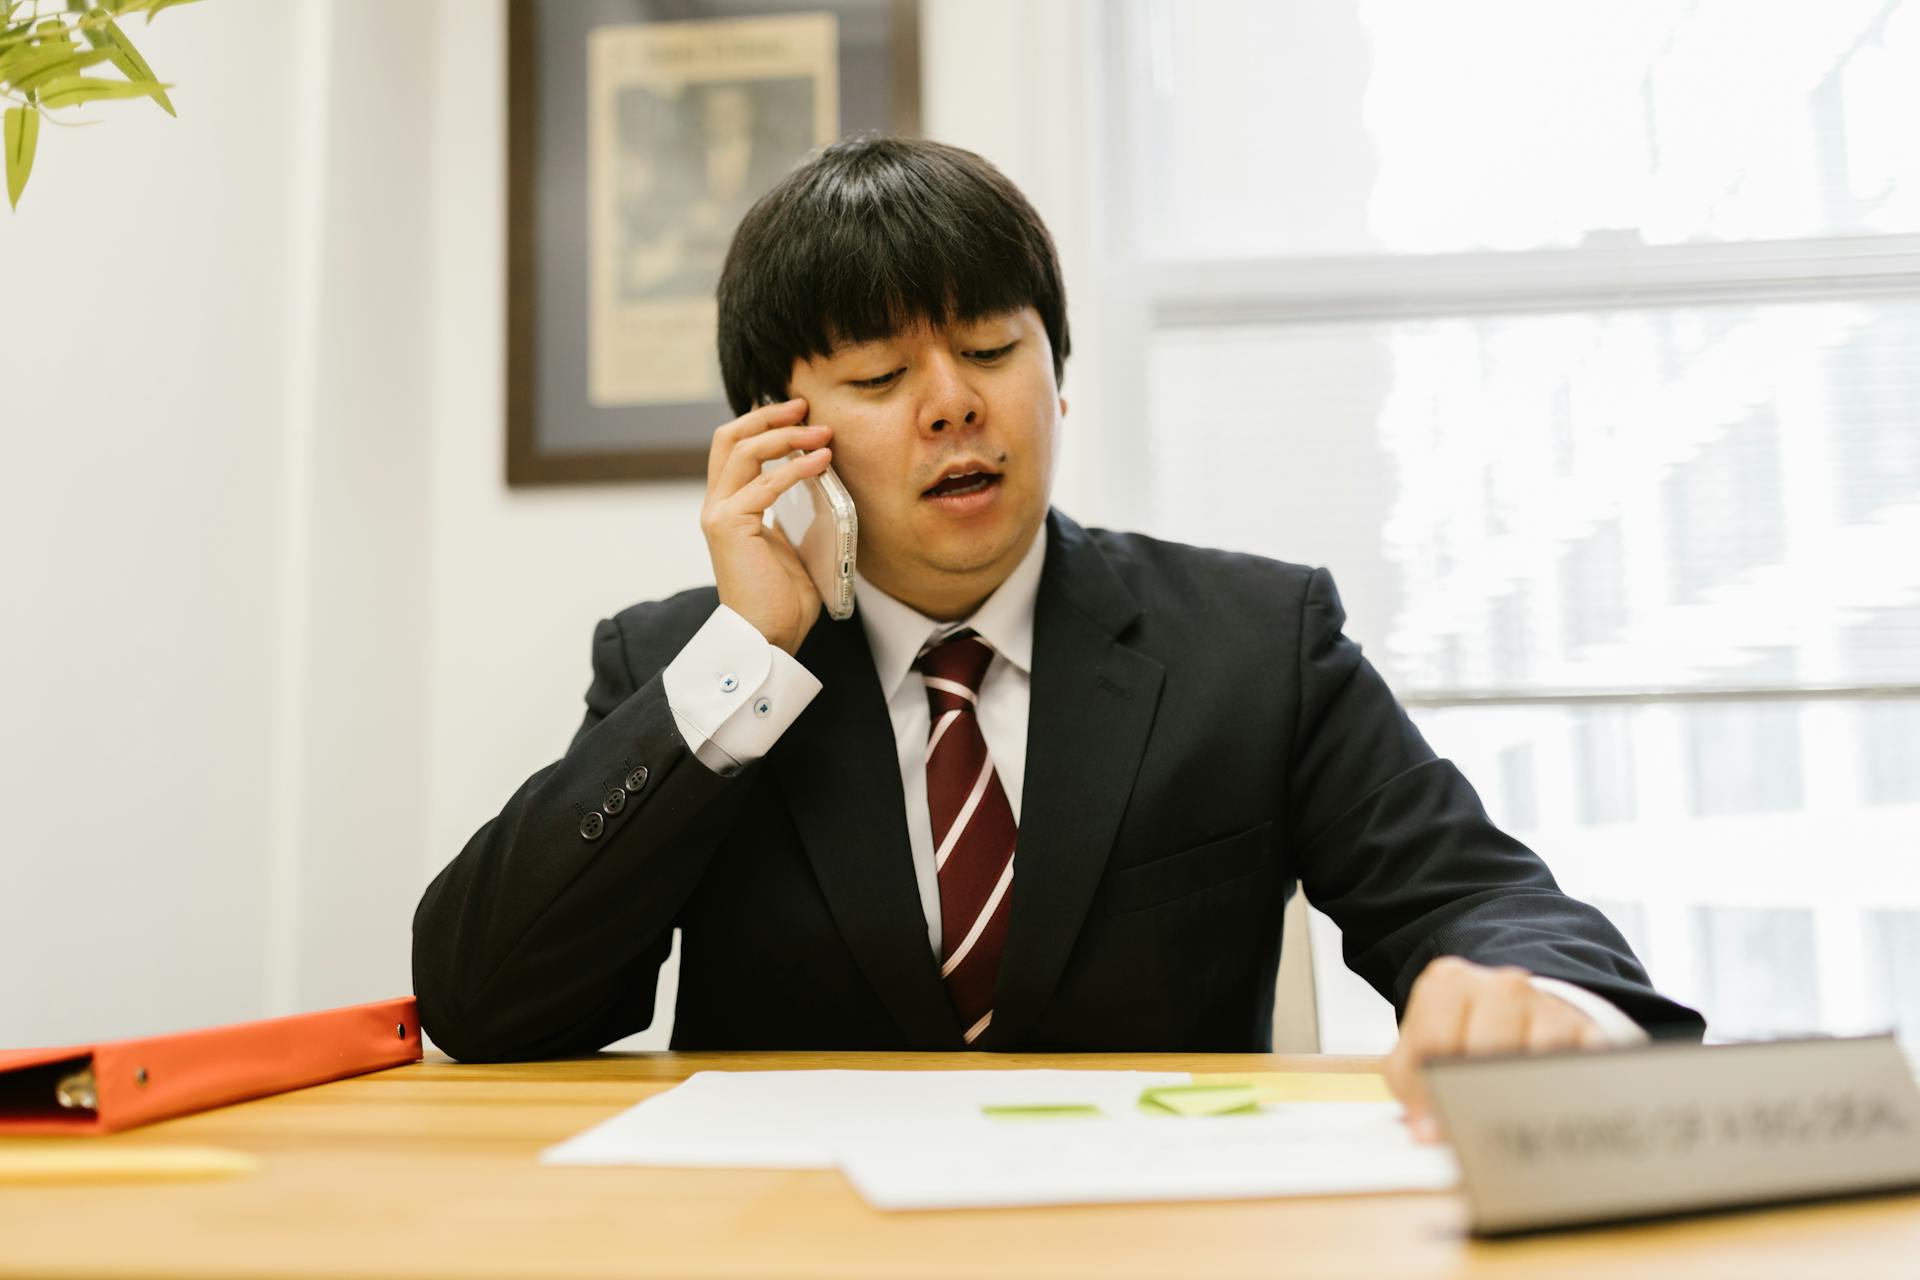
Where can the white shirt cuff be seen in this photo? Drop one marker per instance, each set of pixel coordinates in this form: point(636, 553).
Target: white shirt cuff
point(733, 694)
point(1621, 1031)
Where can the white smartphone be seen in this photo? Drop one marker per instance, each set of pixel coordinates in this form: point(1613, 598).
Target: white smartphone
point(818, 518)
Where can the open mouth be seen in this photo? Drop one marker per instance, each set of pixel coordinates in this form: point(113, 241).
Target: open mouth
point(961, 483)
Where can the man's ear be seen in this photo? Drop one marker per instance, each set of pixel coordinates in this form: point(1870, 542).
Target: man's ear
point(1063, 406)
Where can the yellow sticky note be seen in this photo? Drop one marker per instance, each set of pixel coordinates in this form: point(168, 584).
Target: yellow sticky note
point(29, 1161)
point(1306, 1086)
point(1200, 1099)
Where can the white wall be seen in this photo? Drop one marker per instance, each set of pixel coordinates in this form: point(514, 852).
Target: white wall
point(213, 511)
point(145, 287)
point(277, 637)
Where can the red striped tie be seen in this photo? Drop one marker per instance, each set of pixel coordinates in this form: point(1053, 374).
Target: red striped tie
point(973, 829)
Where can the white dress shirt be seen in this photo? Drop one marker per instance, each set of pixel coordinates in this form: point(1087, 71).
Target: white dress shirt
point(733, 694)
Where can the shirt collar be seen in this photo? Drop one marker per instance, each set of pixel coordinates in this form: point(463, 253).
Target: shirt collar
point(896, 632)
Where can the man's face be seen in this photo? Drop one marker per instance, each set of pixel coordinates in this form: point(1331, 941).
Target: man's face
point(945, 438)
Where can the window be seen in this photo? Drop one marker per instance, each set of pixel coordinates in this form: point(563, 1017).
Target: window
point(1877, 649)
point(1603, 763)
point(1605, 413)
point(1397, 126)
point(1756, 968)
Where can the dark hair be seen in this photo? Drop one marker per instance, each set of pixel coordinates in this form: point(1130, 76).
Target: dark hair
point(871, 236)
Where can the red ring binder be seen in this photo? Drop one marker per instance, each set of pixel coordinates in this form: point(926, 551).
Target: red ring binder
point(115, 1085)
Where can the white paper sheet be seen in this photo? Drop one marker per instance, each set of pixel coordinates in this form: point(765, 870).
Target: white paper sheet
point(790, 1119)
point(1288, 1149)
point(919, 1140)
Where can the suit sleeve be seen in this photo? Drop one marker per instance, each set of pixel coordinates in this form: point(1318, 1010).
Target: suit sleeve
point(1395, 846)
point(544, 936)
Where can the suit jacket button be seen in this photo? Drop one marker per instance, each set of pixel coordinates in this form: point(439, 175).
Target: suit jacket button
point(637, 779)
point(591, 826)
point(616, 801)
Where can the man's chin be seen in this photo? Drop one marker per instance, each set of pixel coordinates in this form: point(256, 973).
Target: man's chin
point(986, 554)
point(976, 549)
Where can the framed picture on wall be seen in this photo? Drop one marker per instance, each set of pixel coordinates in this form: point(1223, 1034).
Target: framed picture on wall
point(639, 132)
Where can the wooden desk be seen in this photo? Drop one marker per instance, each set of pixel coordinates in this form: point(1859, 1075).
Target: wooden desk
point(429, 1170)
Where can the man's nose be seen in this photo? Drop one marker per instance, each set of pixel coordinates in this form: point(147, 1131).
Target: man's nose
point(950, 399)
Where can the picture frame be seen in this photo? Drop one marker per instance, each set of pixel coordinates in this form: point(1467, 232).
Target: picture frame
point(639, 131)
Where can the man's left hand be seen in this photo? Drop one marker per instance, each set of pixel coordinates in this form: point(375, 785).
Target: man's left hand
point(1458, 1008)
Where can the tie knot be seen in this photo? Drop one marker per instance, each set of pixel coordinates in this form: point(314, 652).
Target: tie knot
point(958, 663)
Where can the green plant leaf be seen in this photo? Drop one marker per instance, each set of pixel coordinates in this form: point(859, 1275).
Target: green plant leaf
point(25, 66)
point(15, 36)
point(22, 131)
point(158, 5)
point(70, 91)
point(71, 64)
point(111, 38)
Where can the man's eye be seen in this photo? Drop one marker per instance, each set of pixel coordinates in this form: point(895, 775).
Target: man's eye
point(887, 379)
point(996, 353)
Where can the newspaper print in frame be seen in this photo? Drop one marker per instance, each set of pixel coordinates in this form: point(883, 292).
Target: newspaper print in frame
point(688, 124)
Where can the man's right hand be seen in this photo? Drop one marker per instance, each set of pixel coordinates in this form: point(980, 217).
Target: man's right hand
point(759, 575)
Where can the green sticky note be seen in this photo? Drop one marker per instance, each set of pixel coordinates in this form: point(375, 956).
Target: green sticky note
point(1200, 1099)
point(1040, 1111)
point(1305, 1086)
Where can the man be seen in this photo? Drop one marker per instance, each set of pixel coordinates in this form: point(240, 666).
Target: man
point(1050, 789)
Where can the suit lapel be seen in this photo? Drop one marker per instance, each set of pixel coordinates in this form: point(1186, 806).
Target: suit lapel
point(1093, 703)
point(841, 774)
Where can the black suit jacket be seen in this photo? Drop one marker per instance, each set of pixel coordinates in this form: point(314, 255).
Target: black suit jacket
point(1202, 739)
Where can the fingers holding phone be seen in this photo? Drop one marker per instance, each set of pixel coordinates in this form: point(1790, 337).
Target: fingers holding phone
point(759, 575)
